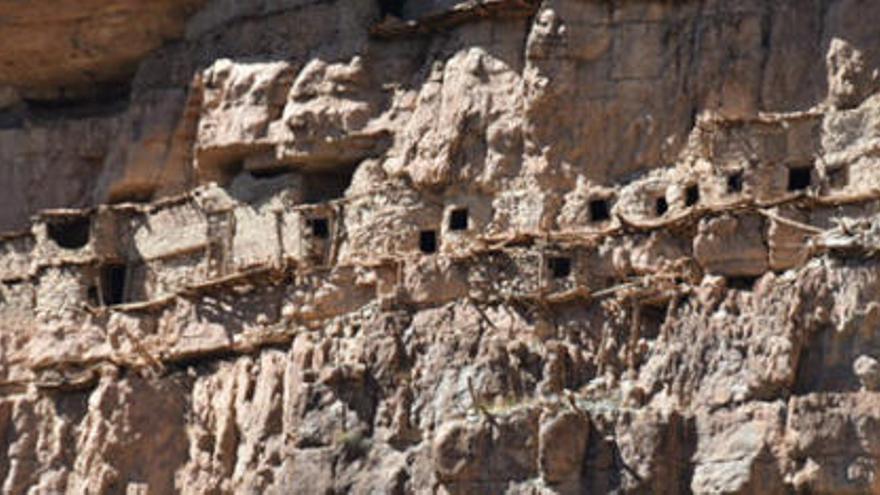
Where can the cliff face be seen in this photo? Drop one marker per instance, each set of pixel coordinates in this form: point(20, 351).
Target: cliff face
point(439, 246)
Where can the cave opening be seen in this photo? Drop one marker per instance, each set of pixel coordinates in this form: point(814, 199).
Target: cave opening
point(319, 227)
point(652, 317)
point(327, 185)
point(458, 219)
point(72, 233)
point(560, 266)
point(742, 282)
point(101, 100)
point(735, 182)
point(428, 241)
point(799, 178)
point(692, 195)
point(600, 211)
point(113, 280)
point(661, 206)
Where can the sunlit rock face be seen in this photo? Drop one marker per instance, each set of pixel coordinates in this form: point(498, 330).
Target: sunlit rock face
point(439, 246)
point(63, 49)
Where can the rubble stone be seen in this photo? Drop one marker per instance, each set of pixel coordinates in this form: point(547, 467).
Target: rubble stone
point(439, 246)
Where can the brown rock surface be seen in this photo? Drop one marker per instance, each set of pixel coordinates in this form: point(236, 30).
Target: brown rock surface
point(439, 246)
point(63, 48)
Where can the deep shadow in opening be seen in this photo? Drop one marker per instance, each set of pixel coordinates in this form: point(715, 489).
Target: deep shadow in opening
point(221, 171)
point(72, 233)
point(799, 178)
point(692, 195)
point(599, 210)
point(428, 241)
point(113, 277)
point(652, 319)
point(319, 227)
point(327, 185)
point(269, 173)
point(458, 219)
point(661, 206)
point(735, 182)
point(560, 266)
point(103, 99)
point(744, 283)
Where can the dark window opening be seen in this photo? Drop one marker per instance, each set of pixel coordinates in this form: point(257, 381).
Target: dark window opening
point(391, 7)
point(799, 178)
point(113, 284)
point(651, 319)
point(268, 173)
point(741, 283)
point(320, 227)
point(70, 234)
point(599, 210)
point(838, 178)
point(428, 241)
point(661, 206)
point(458, 219)
point(560, 267)
point(735, 182)
point(327, 185)
point(692, 195)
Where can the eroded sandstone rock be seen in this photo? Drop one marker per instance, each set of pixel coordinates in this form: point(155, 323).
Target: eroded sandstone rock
point(500, 246)
point(562, 444)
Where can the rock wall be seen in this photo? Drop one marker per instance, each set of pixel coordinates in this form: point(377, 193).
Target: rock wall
point(440, 246)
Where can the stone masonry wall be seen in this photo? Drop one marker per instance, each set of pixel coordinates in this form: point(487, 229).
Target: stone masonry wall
point(493, 246)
